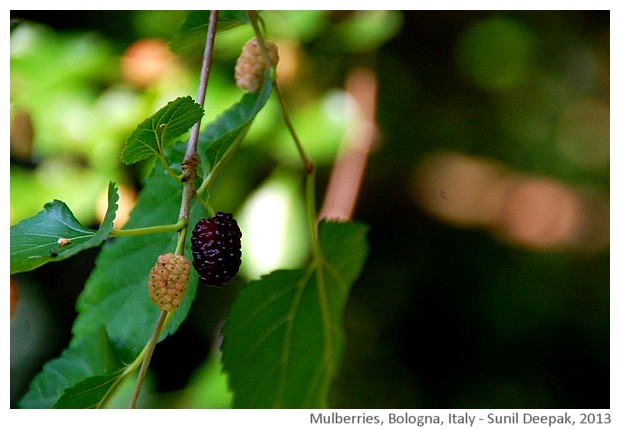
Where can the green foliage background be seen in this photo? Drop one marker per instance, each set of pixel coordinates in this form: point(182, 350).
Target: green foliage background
point(441, 316)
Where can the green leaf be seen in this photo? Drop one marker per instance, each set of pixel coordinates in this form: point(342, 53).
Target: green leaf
point(226, 132)
point(91, 392)
point(86, 357)
point(116, 297)
point(284, 338)
point(192, 33)
point(116, 293)
point(55, 234)
point(170, 122)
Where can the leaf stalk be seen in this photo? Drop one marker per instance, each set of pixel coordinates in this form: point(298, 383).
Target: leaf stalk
point(181, 223)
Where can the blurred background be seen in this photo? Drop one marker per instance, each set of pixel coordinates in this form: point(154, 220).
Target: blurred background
point(482, 143)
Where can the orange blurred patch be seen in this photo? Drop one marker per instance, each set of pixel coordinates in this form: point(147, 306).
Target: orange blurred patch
point(541, 213)
point(22, 135)
point(525, 210)
point(460, 189)
point(126, 202)
point(146, 61)
point(290, 59)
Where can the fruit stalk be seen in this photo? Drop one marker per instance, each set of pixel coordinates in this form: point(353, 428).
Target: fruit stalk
point(308, 164)
point(147, 359)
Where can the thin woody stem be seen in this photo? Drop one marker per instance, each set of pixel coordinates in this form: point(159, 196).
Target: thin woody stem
point(191, 158)
point(190, 162)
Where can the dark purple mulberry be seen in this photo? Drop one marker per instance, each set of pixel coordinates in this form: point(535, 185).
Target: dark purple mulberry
point(216, 249)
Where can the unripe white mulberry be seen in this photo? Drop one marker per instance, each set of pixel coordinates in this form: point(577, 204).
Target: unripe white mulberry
point(168, 281)
point(251, 65)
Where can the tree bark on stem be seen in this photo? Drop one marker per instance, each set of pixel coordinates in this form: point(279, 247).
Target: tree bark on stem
point(190, 161)
point(188, 178)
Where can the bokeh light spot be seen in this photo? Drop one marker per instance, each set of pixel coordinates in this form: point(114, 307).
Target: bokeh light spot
point(496, 53)
point(272, 221)
point(542, 213)
point(146, 61)
point(583, 134)
point(460, 189)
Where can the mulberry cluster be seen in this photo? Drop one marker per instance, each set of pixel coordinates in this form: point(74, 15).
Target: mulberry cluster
point(216, 249)
point(168, 281)
point(251, 65)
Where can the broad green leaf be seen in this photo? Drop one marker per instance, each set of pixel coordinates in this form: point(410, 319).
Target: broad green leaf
point(116, 297)
point(116, 293)
point(169, 122)
point(283, 338)
point(91, 392)
point(87, 357)
point(55, 234)
point(192, 33)
point(226, 132)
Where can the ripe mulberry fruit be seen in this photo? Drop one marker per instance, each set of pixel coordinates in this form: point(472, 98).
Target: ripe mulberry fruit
point(168, 281)
point(251, 65)
point(216, 248)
